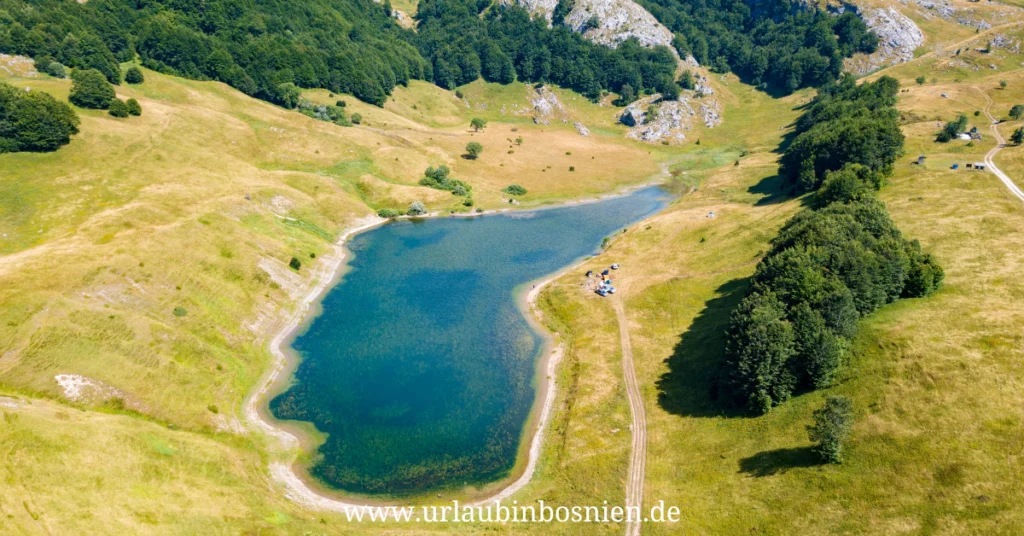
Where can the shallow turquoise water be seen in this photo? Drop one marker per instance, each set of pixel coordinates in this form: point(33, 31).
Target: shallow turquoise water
point(420, 368)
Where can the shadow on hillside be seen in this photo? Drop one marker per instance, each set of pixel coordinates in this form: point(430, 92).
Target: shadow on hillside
point(772, 462)
point(772, 190)
point(693, 368)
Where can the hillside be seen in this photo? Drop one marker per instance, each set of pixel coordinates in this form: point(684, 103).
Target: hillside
point(144, 267)
point(158, 247)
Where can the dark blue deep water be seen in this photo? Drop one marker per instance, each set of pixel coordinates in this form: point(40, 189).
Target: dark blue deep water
point(420, 368)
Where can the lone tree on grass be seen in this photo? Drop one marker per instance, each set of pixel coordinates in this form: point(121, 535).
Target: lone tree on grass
point(473, 150)
point(295, 263)
point(1018, 136)
point(478, 123)
point(1017, 111)
point(519, 141)
point(90, 89)
point(831, 428)
point(356, 119)
point(1003, 84)
point(134, 76)
point(920, 80)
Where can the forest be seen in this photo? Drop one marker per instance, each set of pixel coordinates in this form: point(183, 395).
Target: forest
point(777, 44)
point(349, 46)
point(834, 262)
point(268, 48)
point(505, 44)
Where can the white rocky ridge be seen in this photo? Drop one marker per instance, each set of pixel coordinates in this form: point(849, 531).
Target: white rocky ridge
point(668, 124)
point(898, 37)
point(617, 21)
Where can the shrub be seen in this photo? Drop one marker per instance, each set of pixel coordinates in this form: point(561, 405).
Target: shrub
point(514, 189)
point(473, 150)
point(920, 80)
point(388, 213)
point(952, 129)
point(34, 121)
point(440, 179)
point(831, 428)
point(416, 209)
point(55, 70)
point(295, 264)
point(687, 81)
point(134, 76)
point(180, 311)
point(341, 104)
point(323, 112)
point(1018, 136)
point(118, 108)
point(357, 119)
point(212, 407)
point(90, 89)
point(134, 108)
point(1017, 111)
point(288, 95)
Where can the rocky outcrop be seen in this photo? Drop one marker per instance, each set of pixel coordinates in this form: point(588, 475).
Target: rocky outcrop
point(711, 112)
point(614, 21)
point(664, 121)
point(547, 107)
point(898, 37)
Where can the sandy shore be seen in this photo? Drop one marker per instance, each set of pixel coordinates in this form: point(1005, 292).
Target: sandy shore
point(282, 470)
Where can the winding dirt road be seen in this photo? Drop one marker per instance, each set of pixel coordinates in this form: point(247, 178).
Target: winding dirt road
point(638, 460)
point(1000, 143)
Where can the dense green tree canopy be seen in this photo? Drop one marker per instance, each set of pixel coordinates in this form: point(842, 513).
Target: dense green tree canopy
point(779, 43)
point(90, 89)
point(848, 123)
point(467, 39)
point(134, 76)
point(33, 121)
point(831, 264)
point(347, 46)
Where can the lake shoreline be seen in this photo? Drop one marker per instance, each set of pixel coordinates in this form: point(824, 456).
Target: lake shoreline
point(288, 470)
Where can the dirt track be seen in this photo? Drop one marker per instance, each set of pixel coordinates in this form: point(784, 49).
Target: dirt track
point(638, 459)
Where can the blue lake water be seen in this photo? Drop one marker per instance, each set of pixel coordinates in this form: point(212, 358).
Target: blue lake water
point(420, 367)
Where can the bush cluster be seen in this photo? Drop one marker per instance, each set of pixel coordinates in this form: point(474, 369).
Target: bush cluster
point(440, 178)
point(323, 112)
point(514, 189)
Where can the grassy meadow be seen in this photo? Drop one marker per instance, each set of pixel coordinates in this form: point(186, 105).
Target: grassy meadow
point(150, 255)
point(935, 382)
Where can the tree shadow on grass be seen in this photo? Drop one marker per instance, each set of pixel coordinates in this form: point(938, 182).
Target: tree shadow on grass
point(774, 190)
point(773, 462)
point(693, 367)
